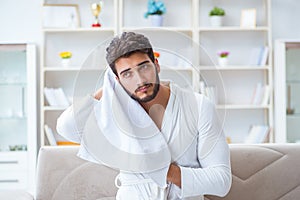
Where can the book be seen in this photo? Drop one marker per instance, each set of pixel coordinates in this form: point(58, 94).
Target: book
point(261, 94)
point(50, 135)
point(259, 56)
point(266, 95)
point(257, 95)
point(56, 97)
point(264, 56)
point(49, 95)
point(257, 134)
point(60, 97)
point(254, 56)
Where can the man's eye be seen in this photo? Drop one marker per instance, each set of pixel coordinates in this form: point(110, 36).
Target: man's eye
point(127, 74)
point(144, 67)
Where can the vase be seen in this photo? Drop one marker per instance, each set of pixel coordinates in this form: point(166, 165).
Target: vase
point(156, 20)
point(65, 62)
point(216, 21)
point(223, 61)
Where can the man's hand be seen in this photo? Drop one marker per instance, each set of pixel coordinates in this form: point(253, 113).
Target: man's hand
point(174, 175)
point(98, 94)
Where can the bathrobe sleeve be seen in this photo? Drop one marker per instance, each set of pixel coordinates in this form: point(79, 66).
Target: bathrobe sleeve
point(214, 176)
point(71, 123)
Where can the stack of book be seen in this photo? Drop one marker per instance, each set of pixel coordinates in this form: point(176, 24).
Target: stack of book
point(54, 139)
point(257, 134)
point(261, 95)
point(56, 97)
point(259, 56)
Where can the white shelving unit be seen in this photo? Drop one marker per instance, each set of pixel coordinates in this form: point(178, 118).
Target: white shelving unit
point(287, 106)
point(18, 116)
point(80, 41)
point(235, 83)
point(182, 58)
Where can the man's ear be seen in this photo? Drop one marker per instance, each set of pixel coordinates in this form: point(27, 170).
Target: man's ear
point(117, 78)
point(157, 65)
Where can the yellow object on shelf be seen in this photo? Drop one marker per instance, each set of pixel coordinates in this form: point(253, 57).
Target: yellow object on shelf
point(66, 143)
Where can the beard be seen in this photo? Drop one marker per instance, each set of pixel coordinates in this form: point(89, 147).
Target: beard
point(156, 86)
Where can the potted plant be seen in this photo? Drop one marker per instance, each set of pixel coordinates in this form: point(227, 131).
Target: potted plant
point(155, 11)
point(216, 16)
point(223, 58)
point(65, 58)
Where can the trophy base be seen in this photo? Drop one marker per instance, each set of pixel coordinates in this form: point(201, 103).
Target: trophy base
point(96, 25)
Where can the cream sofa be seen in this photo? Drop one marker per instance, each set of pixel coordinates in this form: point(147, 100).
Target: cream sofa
point(260, 172)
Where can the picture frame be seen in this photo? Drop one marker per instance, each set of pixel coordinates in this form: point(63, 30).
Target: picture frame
point(61, 16)
point(248, 18)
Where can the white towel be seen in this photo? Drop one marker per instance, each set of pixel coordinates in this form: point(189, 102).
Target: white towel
point(121, 134)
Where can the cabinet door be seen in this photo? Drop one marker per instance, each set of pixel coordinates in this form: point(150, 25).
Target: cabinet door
point(287, 85)
point(13, 87)
point(18, 114)
point(292, 94)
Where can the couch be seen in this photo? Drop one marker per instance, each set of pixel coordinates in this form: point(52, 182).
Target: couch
point(260, 172)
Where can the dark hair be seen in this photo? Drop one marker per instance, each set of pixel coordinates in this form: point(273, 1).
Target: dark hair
point(125, 45)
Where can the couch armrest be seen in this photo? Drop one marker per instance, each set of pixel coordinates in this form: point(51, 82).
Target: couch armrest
point(15, 194)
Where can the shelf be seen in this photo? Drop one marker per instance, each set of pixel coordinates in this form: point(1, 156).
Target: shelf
point(163, 28)
point(293, 81)
point(78, 30)
point(54, 108)
point(233, 67)
point(68, 69)
point(174, 68)
point(246, 106)
point(13, 84)
point(61, 69)
point(232, 28)
point(7, 153)
point(296, 115)
point(13, 118)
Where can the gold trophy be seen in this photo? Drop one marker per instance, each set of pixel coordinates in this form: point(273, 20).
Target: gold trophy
point(96, 9)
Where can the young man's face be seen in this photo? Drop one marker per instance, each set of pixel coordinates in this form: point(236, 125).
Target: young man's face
point(139, 76)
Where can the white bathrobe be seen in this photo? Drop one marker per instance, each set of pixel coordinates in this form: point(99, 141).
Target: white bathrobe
point(197, 145)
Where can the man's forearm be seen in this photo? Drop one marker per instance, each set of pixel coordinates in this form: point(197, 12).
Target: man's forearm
point(174, 175)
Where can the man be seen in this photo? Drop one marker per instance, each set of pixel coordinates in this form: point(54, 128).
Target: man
point(182, 153)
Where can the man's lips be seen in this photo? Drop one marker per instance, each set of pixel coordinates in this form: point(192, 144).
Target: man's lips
point(143, 88)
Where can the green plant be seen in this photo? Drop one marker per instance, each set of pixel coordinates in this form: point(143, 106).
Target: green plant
point(155, 8)
point(65, 54)
point(216, 11)
point(223, 54)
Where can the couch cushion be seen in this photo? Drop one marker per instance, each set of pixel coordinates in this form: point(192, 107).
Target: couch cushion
point(264, 172)
point(63, 175)
point(260, 172)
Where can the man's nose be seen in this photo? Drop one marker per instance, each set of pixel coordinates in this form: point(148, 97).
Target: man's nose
point(140, 78)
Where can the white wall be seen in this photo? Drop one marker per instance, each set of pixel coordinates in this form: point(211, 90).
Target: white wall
point(285, 19)
point(21, 20)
